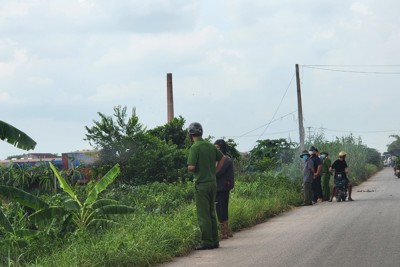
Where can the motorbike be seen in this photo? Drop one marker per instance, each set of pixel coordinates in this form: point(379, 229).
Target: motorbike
point(341, 187)
point(397, 171)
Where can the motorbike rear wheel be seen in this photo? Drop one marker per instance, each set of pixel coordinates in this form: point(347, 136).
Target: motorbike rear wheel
point(338, 196)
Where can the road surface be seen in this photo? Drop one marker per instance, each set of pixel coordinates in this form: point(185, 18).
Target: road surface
point(365, 232)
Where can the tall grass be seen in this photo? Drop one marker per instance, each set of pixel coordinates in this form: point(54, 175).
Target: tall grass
point(155, 234)
point(165, 224)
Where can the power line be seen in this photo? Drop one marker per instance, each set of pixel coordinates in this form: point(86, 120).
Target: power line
point(368, 66)
point(351, 71)
point(276, 111)
point(246, 134)
point(361, 132)
point(274, 133)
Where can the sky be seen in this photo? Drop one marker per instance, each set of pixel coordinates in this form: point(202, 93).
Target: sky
point(232, 62)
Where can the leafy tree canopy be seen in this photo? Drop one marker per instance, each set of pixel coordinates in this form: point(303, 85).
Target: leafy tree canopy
point(267, 154)
point(172, 132)
point(115, 137)
point(394, 147)
point(144, 156)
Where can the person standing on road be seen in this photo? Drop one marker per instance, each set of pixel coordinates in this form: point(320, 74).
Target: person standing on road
point(340, 166)
point(308, 177)
point(202, 160)
point(316, 185)
point(225, 182)
point(326, 175)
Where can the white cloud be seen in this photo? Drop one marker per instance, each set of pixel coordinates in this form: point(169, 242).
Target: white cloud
point(236, 58)
point(360, 8)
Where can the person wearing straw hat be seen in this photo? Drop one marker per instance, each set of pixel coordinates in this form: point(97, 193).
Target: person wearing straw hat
point(340, 166)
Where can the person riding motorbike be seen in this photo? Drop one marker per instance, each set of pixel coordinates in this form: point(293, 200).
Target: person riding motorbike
point(340, 166)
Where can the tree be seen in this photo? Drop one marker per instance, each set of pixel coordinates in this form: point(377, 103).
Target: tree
point(394, 147)
point(268, 154)
point(116, 139)
point(16, 137)
point(172, 132)
point(81, 214)
point(144, 156)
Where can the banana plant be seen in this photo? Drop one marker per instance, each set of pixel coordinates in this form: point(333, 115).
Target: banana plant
point(16, 236)
point(16, 137)
point(85, 213)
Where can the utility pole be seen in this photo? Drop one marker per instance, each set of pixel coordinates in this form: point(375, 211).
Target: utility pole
point(300, 109)
point(170, 98)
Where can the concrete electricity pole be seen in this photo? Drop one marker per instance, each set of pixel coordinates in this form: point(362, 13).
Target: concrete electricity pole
point(300, 109)
point(170, 98)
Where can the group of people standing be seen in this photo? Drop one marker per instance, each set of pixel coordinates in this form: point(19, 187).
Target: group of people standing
point(213, 179)
point(318, 169)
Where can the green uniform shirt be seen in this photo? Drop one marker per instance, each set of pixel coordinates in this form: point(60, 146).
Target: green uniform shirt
point(203, 155)
point(325, 165)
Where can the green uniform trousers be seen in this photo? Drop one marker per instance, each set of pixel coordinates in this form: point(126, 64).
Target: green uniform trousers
point(326, 192)
point(206, 217)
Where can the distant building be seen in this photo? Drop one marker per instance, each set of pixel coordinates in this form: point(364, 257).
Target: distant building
point(82, 158)
point(69, 160)
point(40, 156)
point(33, 161)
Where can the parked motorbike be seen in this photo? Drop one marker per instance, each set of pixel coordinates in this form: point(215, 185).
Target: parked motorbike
point(341, 187)
point(397, 172)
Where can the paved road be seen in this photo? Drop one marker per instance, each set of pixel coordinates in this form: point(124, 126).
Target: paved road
point(364, 233)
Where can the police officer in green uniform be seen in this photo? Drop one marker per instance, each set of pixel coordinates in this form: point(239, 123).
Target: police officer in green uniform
point(202, 161)
point(326, 175)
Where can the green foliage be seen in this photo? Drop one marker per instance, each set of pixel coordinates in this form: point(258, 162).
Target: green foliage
point(15, 236)
point(394, 147)
point(231, 146)
point(116, 138)
point(16, 137)
point(165, 226)
point(22, 197)
point(84, 213)
point(270, 154)
point(374, 157)
point(144, 156)
point(157, 161)
point(155, 197)
point(172, 132)
point(27, 177)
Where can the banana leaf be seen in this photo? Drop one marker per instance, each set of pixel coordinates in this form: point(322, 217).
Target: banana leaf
point(102, 184)
point(103, 202)
point(16, 137)
point(64, 185)
point(114, 209)
point(22, 197)
point(5, 222)
point(48, 214)
point(71, 204)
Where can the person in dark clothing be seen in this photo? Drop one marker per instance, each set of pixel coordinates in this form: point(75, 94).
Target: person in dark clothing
point(316, 184)
point(308, 177)
point(225, 182)
point(340, 166)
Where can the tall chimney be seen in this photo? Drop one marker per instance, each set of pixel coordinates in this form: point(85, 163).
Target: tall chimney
point(170, 98)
